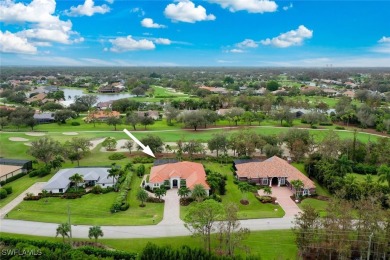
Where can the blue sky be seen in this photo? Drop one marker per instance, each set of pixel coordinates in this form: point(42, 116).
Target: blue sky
point(195, 33)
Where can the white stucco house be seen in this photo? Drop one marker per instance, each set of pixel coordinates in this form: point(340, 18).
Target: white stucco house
point(60, 182)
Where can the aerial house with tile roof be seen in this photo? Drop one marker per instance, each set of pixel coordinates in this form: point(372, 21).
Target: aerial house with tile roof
point(177, 174)
point(273, 172)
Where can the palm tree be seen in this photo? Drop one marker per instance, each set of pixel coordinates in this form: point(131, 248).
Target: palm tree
point(142, 196)
point(267, 190)
point(384, 174)
point(343, 165)
point(115, 172)
point(160, 192)
point(129, 167)
point(95, 232)
point(76, 179)
point(199, 192)
point(183, 192)
point(244, 187)
point(63, 230)
point(297, 185)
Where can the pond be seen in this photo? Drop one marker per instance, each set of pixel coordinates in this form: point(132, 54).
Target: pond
point(70, 93)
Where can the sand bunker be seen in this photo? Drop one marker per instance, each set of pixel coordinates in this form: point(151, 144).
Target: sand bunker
point(28, 144)
point(96, 142)
point(70, 133)
point(18, 139)
point(35, 134)
point(119, 145)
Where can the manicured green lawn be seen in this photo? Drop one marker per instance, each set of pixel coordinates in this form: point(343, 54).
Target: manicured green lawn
point(361, 177)
point(255, 209)
point(90, 209)
point(161, 92)
point(319, 205)
point(20, 185)
point(275, 244)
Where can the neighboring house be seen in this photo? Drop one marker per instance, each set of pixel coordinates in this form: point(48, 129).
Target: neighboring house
point(11, 167)
point(155, 115)
point(330, 92)
point(41, 98)
point(273, 171)
point(101, 115)
point(105, 105)
point(215, 90)
point(177, 174)
point(349, 93)
point(42, 118)
point(60, 182)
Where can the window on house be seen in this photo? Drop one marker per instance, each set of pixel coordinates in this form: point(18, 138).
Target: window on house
point(61, 190)
point(282, 181)
point(264, 181)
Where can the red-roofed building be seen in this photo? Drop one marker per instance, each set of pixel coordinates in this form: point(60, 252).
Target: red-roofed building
point(273, 171)
point(178, 174)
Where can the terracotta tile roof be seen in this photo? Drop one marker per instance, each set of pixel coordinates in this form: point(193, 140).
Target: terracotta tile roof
point(272, 167)
point(192, 172)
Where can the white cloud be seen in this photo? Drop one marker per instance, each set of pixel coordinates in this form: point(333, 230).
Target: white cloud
point(110, 1)
point(35, 12)
point(43, 25)
point(236, 51)
point(285, 8)
point(247, 43)
point(291, 38)
point(384, 40)
point(88, 9)
point(148, 23)
point(123, 44)
point(12, 43)
point(251, 6)
point(185, 11)
point(163, 41)
point(138, 10)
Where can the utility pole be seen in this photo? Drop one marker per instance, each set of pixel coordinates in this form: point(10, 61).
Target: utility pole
point(369, 246)
point(70, 226)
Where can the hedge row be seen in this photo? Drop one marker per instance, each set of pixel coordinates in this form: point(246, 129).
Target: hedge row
point(55, 246)
point(10, 179)
point(121, 203)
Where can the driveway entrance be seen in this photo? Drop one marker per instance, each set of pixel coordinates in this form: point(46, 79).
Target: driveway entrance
point(282, 195)
point(171, 209)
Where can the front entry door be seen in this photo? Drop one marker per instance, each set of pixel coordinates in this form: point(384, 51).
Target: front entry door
point(174, 184)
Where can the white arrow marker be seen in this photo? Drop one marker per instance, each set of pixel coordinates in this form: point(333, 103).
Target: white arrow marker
point(145, 149)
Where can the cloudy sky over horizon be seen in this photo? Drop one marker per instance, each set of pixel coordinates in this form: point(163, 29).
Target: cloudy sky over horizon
point(195, 33)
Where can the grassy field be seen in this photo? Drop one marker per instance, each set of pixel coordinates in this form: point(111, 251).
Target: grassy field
point(18, 149)
point(275, 244)
point(255, 209)
point(161, 92)
point(20, 185)
point(91, 209)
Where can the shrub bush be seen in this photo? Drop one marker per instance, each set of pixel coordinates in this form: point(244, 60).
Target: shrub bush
point(264, 199)
point(116, 156)
point(97, 189)
point(154, 200)
point(8, 189)
point(362, 168)
point(142, 159)
point(33, 173)
point(215, 197)
point(313, 127)
point(120, 203)
point(75, 123)
point(3, 193)
point(125, 206)
point(10, 179)
point(326, 123)
point(340, 128)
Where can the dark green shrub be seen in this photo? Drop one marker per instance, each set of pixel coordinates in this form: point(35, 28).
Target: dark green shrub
point(326, 123)
point(3, 193)
point(8, 189)
point(264, 199)
point(125, 206)
point(33, 173)
point(215, 197)
point(116, 156)
point(340, 128)
point(15, 177)
point(142, 159)
point(97, 189)
point(75, 123)
point(314, 127)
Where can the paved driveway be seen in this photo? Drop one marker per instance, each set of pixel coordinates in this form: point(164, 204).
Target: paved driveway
point(171, 209)
point(282, 195)
point(35, 189)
